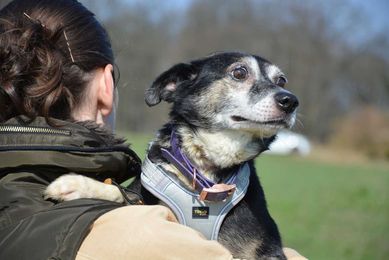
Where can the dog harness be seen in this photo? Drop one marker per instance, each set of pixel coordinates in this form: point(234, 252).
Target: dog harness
point(203, 209)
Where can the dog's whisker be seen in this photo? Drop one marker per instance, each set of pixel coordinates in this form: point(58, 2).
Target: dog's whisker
point(299, 123)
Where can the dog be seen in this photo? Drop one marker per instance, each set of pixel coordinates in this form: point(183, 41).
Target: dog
point(226, 109)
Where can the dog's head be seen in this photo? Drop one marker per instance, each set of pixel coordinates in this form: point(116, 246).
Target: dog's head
point(227, 91)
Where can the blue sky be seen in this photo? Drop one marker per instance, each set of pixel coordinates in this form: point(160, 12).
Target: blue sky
point(376, 10)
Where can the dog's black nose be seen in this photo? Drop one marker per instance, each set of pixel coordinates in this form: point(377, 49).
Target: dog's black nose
point(286, 102)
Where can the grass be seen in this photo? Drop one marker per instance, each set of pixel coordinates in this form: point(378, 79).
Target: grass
point(328, 211)
point(324, 210)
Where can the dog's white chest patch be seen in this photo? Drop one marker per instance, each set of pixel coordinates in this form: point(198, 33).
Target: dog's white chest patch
point(224, 148)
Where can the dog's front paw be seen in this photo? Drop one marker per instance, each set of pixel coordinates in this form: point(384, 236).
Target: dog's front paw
point(67, 187)
point(71, 187)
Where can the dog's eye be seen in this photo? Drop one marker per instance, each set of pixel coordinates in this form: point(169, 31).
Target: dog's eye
point(281, 81)
point(239, 73)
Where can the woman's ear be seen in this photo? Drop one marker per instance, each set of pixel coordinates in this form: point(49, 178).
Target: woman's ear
point(105, 98)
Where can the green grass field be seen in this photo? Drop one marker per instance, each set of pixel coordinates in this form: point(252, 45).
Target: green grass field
point(323, 210)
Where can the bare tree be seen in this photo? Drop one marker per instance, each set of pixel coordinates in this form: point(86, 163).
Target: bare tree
point(315, 43)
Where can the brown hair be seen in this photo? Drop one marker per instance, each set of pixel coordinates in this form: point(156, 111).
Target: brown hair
point(48, 50)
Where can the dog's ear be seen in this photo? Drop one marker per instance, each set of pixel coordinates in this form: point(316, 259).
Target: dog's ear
point(164, 87)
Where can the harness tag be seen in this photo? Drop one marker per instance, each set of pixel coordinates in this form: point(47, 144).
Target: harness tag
point(200, 212)
point(217, 192)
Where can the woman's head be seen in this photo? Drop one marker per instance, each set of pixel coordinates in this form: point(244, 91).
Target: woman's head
point(51, 52)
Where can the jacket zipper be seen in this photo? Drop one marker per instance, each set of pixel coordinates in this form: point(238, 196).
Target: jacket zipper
point(33, 130)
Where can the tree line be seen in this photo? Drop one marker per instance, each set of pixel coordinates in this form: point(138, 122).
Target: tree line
point(320, 45)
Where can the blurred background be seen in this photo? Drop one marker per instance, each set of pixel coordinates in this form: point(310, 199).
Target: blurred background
point(330, 197)
point(335, 54)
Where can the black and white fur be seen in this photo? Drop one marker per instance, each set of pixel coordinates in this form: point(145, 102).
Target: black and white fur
point(226, 110)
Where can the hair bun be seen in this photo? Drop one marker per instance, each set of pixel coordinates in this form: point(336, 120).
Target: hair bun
point(48, 50)
point(32, 67)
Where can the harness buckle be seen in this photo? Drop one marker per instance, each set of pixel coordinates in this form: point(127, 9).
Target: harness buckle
point(217, 192)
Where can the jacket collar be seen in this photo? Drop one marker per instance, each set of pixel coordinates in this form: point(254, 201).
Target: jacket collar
point(69, 147)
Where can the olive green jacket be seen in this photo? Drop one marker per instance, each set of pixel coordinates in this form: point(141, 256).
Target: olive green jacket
point(32, 154)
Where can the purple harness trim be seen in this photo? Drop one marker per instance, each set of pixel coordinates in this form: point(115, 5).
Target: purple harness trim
point(200, 182)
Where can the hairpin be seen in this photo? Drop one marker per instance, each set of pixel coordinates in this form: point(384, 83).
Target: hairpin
point(67, 43)
point(29, 17)
point(64, 33)
point(33, 20)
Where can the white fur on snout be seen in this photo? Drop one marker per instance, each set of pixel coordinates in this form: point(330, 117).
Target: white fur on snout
point(262, 111)
point(257, 114)
point(71, 187)
point(265, 110)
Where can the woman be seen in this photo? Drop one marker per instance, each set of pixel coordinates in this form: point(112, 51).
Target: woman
point(56, 94)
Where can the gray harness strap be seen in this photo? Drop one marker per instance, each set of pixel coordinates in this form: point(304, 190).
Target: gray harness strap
point(204, 216)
